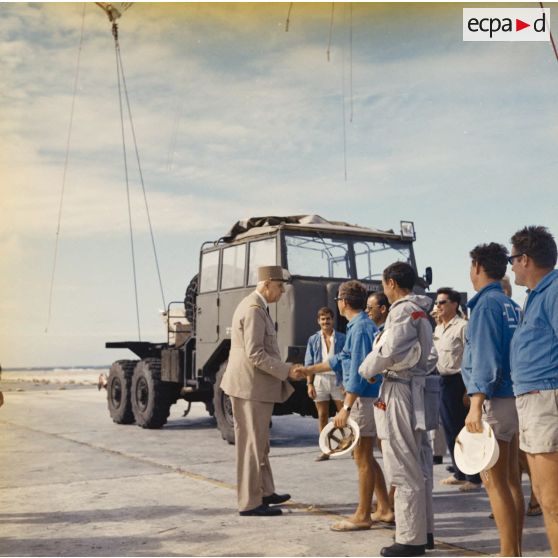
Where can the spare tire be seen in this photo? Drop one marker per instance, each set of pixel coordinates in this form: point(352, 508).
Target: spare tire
point(151, 398)
point(190, 302)
point(119, 389)
point(223, 407)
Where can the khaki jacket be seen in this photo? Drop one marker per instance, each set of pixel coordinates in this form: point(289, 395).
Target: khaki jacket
point(255, 370)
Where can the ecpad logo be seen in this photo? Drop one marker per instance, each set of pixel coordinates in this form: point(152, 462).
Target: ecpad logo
point(506, 24)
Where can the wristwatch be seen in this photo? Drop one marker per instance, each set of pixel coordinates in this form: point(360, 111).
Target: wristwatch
point(347, 408)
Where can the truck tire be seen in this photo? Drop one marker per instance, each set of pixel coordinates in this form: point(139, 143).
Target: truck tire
point(190, 297)
point(223, 407)
point(151, 398)
point(119, 385)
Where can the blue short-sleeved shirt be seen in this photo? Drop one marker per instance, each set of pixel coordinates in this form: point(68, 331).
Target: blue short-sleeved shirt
point(358, 343)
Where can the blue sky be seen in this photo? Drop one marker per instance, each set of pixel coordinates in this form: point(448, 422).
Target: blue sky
point(236, 117)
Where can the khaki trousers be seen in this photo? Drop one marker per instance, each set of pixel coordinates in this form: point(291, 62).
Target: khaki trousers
point(253, 470)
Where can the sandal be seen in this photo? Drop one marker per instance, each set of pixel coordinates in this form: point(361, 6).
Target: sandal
point(533, 509)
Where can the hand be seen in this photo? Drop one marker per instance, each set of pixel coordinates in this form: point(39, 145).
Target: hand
point(311, 391)
point(296, 372)
point(341, 418)
point(473, 421)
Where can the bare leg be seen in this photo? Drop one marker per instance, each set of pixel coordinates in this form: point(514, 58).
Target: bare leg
point(524, 468)
point(384, 510)
point(514, 476)
point(544, 474)
point(363, 460)
point(497, 483)
point(323, 413)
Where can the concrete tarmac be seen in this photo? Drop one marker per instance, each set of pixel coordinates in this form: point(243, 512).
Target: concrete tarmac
point(73, 483)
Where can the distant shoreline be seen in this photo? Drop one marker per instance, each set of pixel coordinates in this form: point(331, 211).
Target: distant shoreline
point(58, 375)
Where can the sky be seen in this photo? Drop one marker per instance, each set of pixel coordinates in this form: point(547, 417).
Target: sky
point(235, 117)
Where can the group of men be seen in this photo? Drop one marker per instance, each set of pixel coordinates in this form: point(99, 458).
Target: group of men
point(509, 372)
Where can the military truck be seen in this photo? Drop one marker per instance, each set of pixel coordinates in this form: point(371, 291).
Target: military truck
point(319, 255)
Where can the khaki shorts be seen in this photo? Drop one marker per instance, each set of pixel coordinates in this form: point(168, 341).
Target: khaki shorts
point(501, 414)
point(538, 421)
point(363, 414)
point(325, 386)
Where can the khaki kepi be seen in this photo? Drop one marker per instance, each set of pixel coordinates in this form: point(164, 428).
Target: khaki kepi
point(273, 273)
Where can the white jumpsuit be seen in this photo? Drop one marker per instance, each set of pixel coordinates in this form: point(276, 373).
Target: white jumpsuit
point(399, 416)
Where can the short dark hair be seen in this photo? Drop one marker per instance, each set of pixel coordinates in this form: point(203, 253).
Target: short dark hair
point(538, 244)
point(402, 273)
point(381, 298)
point(452, 294)
point(493, 258)
point(325, 310)
point(354, 293)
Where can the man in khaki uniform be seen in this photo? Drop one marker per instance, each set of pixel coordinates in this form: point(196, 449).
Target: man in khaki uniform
point(449, 340)
point(255, 379)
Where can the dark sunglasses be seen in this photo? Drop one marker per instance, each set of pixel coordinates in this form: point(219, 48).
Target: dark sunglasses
point(512, 257)
point(440, 302)
point(338, 298)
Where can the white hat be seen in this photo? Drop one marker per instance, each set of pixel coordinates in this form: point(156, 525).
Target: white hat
point(339, 441)
point(475, 452)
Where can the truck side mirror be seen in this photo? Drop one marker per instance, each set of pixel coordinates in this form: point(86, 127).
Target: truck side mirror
point(428, 275)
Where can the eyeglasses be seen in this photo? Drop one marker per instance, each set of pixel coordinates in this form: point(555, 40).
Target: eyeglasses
point(513, 256)
point(372, 307)
point(440, 302)
point(338, 298)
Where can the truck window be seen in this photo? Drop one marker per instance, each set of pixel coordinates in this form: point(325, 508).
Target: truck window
point(373, 257)
point(209, 271)
point(232, 270)
point(262, 252)
point(318, 256)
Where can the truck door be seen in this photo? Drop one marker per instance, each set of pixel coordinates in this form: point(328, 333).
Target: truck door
point(207, 304)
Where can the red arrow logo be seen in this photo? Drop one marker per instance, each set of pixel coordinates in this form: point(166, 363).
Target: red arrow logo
point(519, 25)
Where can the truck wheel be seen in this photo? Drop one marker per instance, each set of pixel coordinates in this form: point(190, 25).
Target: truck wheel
point(223, 407)
point(119, 385)
point(151, 398)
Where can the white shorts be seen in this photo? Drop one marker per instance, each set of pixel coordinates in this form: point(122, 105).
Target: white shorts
point(325, 386)
point(538, 421)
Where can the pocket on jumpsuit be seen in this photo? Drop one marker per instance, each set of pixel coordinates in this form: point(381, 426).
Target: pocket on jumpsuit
point(380, 416)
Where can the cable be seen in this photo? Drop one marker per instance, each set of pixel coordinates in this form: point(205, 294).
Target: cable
point(60, 205)
point(330, 30)
point(551, 37)
point(141, 179)
point(288, 17)
point(118, 72)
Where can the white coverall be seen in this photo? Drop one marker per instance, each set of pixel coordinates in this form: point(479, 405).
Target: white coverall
point(400, 420)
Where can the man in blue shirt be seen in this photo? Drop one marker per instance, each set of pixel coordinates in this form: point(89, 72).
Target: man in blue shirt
point(324, 344)
point(534, 360)
point(486, 373)
point(358, 403)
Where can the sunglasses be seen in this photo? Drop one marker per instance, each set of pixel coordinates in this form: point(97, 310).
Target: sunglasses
point(338, 298)
point(512, 257)
point(440, 302)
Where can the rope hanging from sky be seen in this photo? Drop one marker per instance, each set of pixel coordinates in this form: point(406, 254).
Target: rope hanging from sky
point(61, 203)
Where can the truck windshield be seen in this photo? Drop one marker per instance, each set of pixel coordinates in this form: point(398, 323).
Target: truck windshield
point(318, 256)
point(372, 257)
point(323, 256)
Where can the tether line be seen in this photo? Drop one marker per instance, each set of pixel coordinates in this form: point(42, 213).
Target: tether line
point(141, 178)
point(118, 79)
point(61, 203)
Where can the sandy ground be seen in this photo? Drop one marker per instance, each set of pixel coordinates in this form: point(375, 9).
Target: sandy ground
point(73, 483)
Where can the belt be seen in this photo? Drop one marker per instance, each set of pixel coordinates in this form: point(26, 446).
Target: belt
point(392, 377)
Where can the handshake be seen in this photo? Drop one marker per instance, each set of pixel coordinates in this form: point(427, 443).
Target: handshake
point(298, 372)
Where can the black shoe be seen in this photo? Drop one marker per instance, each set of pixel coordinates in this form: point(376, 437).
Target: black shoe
point(275, 499)
point(398, 549)
point(429, 541)
point(438, 459)
point(263, 511)
point(450, 469)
